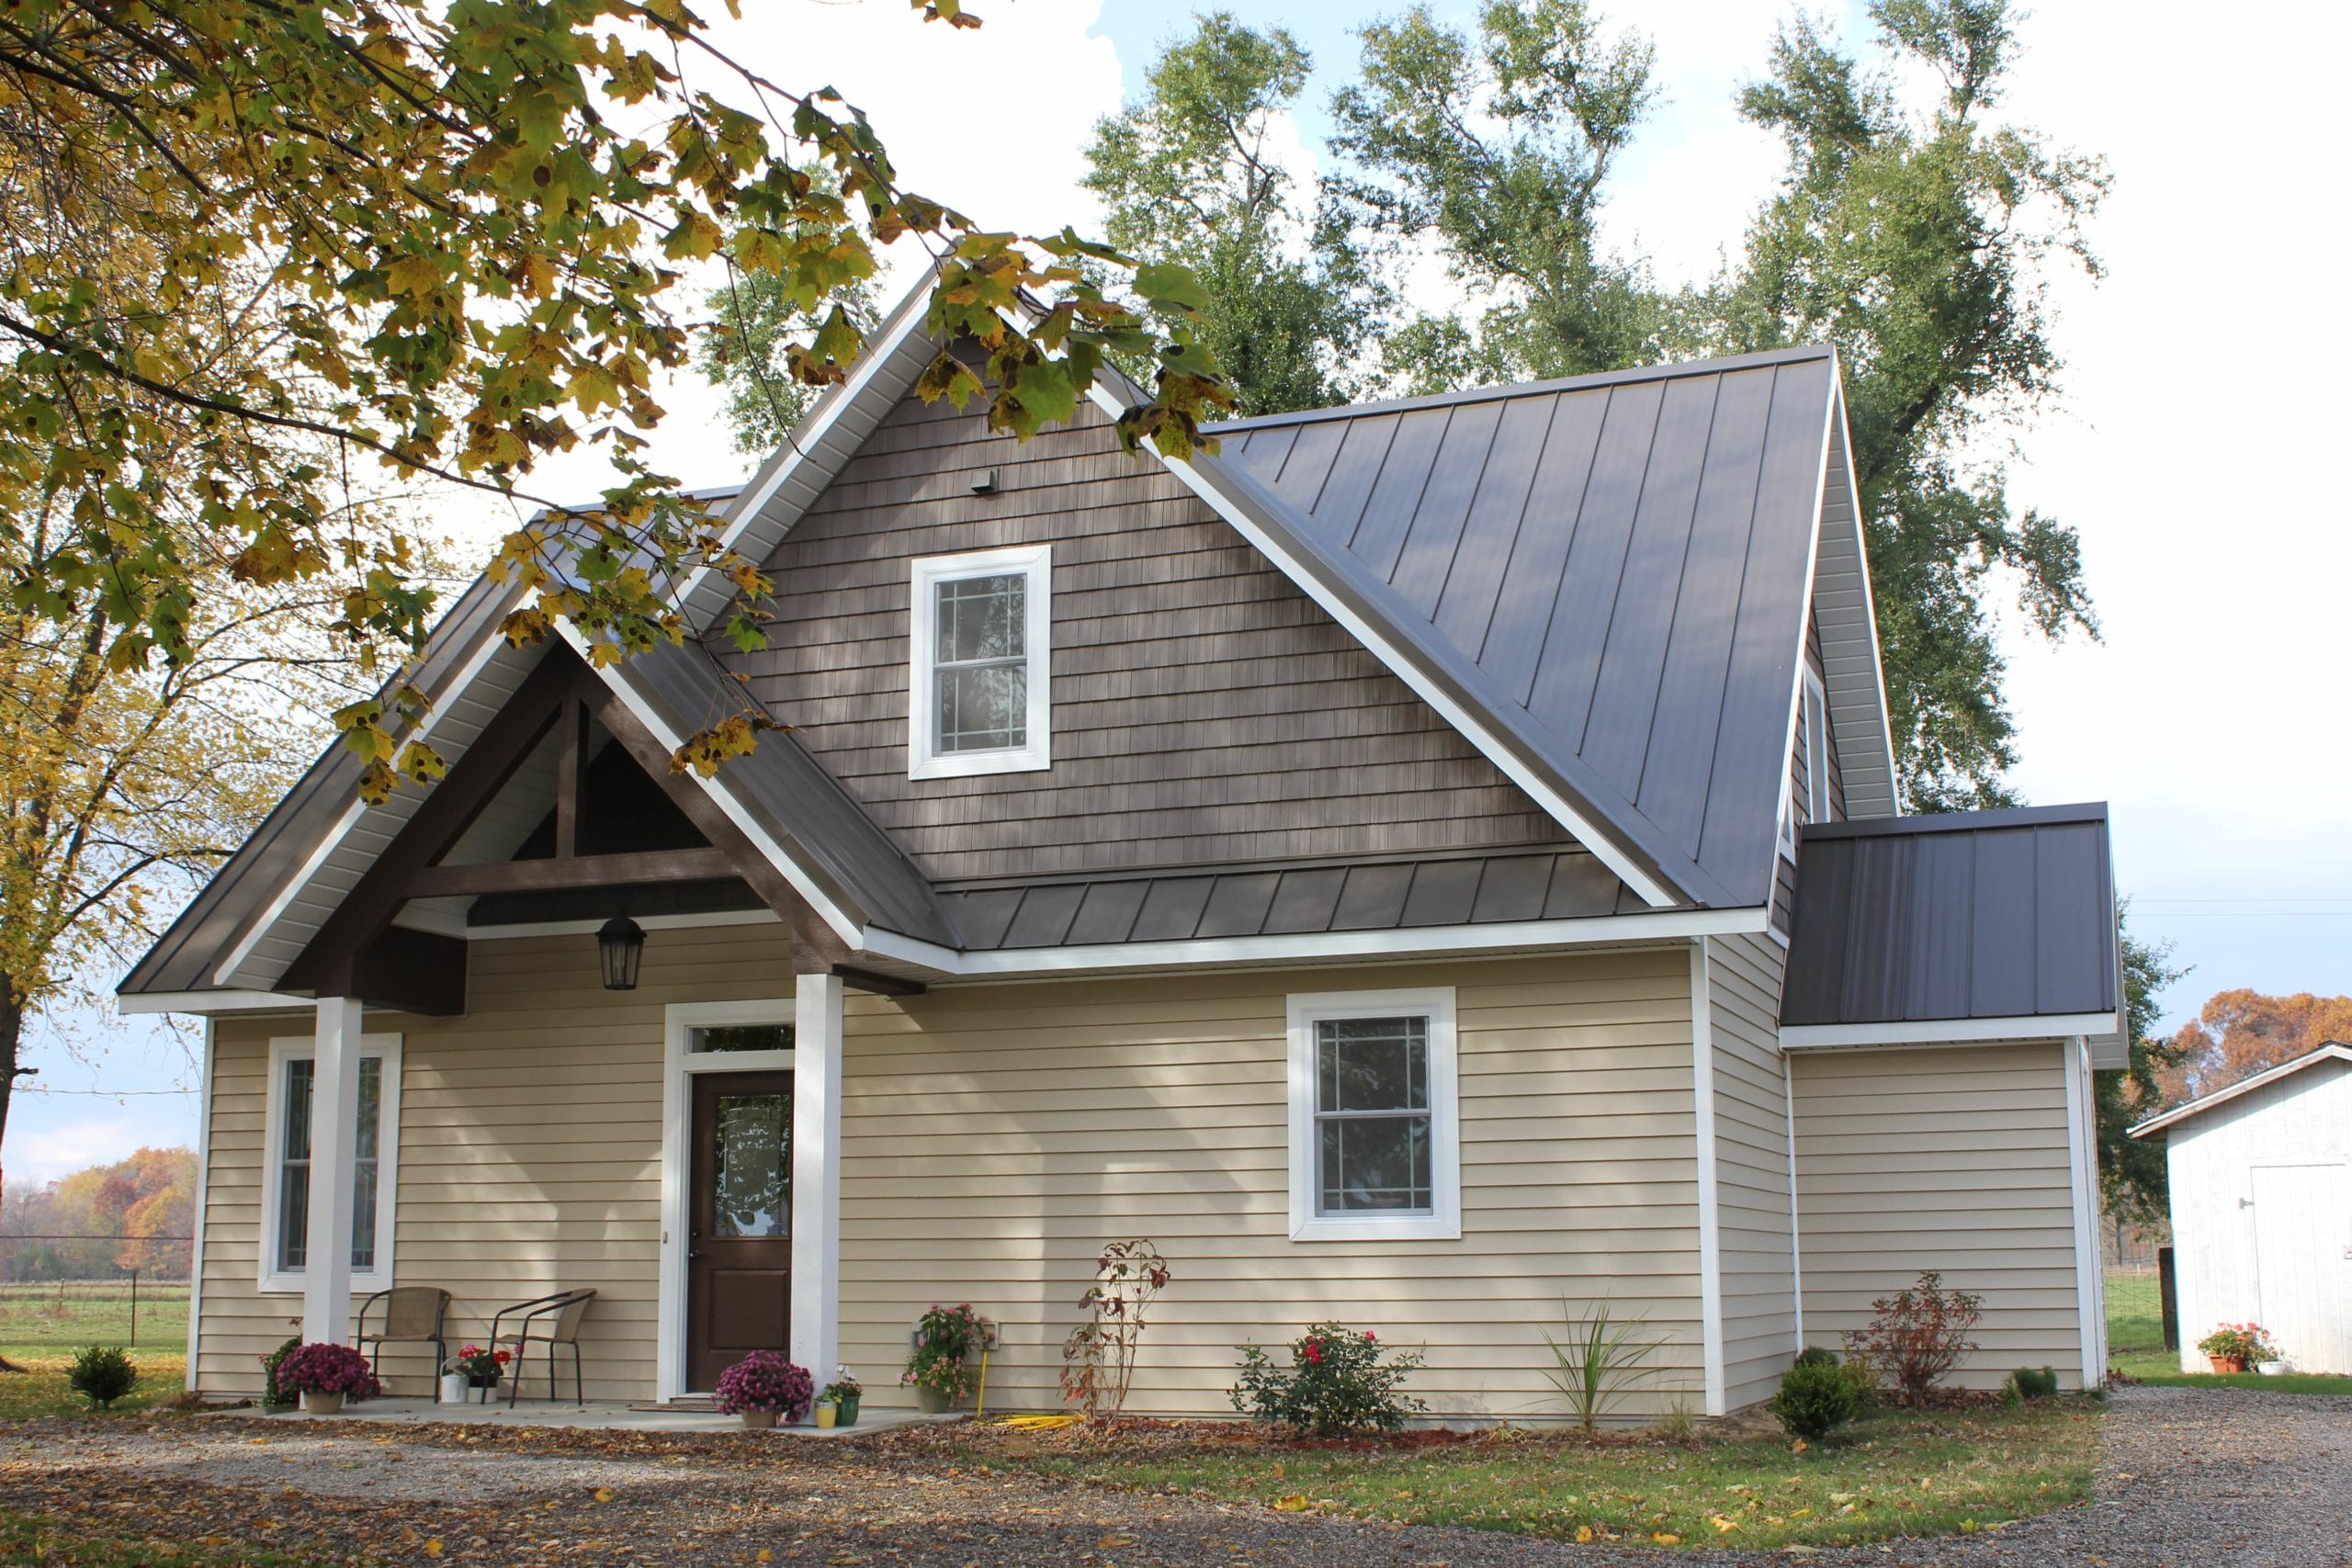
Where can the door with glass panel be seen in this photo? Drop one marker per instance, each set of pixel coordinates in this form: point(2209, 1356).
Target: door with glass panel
point(739, 1240)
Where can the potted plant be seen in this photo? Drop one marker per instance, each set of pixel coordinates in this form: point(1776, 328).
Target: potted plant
point(845, 1392)
point(829, 1412)
point(325, 1375)
point(2232, 1347)
point(471, 1367)
point(761, 1387)
point(943, 1366)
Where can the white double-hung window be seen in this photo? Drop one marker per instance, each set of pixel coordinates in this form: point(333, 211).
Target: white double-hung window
point(288, 1179)
point(980, 697)
point(1375, 1145)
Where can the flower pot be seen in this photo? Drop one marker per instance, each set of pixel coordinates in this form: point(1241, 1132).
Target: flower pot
point(826, 1416)
point(848, 1417)
point(2224, 1365)
point(759, 1417)
point(2270, 1369)
point(453, 1388)
point(481, 1382)
point(321, 1403)
point(932, 1400)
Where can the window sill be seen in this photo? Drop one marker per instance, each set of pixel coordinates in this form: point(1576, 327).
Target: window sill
point(1401, 1227)
point(976, 764)
point(291, 1284)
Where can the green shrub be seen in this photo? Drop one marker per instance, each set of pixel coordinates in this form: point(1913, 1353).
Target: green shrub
point(1336, 1383)
point(102, 1374)
point(2034, 1384)
point(274, 1394)
point(1814, 1356)
point(1815, 1399)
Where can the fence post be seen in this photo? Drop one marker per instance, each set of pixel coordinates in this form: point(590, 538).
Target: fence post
point(2168, 1296)
point(134, 1307)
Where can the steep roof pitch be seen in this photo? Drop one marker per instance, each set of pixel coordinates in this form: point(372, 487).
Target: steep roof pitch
point(1613, 571)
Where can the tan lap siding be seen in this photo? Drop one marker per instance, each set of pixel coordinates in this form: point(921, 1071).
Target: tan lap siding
point(1952, 1159)
point(530, 1155)
point(995, 1138)
point(1751, 1166)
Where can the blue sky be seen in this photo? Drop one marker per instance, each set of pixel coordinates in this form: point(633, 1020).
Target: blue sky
point(2200, 399)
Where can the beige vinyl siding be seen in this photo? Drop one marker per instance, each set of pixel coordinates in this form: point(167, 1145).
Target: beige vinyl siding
point(994, 1139)
point(1953, 1159)
point(530, 1155)
point(1752, 1165)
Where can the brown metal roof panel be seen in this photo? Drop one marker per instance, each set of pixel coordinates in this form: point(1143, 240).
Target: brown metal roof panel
point(1581, 886)
point(1514, 888)
point(2001, 934)
point(1305, 900)
point(1437, 521)
point(1574, 628)
point(983, 916)
point(1362, 459)
point(1510, 631)
point(1238, 905)
point(1107, 914)
point(2074, 908)
point(1374, 899)
point(1379, 533)
point(1045, 915)
point(1473, 563)
point(1443, 893)
point(1171, 910)
point(1939, 981)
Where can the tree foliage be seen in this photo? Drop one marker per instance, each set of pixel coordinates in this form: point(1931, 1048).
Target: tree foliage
point(2133, 1183)
point(468, 226)
point(1192, 172)
point(746, 349)
point(147, 1198)
point(2242, 1032)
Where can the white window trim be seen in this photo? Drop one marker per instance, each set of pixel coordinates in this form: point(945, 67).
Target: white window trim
point(923, 761)
point(1817, 749)
point(1444, 1221)
point(274, 1280)
point(680, 1068)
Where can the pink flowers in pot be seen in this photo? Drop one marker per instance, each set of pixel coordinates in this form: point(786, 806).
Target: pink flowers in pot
point(766, 1380)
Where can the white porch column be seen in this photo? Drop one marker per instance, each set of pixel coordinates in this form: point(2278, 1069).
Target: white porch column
point(816, 1175)
point(335, 1139)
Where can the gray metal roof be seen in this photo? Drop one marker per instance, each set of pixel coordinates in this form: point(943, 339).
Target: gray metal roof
point(1613, 568)
point(1970, 915)
point(1247, 901)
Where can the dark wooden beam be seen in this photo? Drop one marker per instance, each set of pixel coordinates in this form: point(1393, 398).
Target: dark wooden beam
point(401, 970)
point(878, 984)
point(644, 868)
point(570, 762)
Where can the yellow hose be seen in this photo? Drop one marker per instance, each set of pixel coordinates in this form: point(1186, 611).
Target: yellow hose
point(981, 1408)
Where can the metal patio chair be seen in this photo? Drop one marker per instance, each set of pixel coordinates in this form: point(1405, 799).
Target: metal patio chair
point(550, 1321)
point(407, 1315)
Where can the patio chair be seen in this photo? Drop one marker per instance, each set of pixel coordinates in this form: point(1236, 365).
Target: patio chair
point(406, 1314)
point(550, 1321)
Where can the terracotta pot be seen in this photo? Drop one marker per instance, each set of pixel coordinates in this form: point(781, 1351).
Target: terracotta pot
point(2227, 1364)
point(322, 1404)
point(759, 1417)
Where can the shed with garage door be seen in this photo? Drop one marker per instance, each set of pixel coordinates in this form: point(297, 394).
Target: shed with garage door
point(2262, 1209)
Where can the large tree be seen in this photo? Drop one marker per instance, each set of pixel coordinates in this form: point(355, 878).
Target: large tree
point(477, 217)
point(2131, 1174)
point(1192, 173)
point(1920, 239)
point(1497, 149)
point(2239, 1034)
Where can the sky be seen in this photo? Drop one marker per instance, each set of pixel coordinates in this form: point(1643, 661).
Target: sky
point(2201, 383)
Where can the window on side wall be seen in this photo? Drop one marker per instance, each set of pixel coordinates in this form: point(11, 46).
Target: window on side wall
point(1375, 1148)
point(288, 1179)
point(1810, 801)
point(978, 683)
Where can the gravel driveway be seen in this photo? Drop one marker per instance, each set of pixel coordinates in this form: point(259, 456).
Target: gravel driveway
point(2186, 1477)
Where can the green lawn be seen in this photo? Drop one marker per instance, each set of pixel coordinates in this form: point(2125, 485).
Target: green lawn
point(41, 1389)
point(68, 1315)
point(1890, 1475)
point(31, 1541)
point(2135, 1342)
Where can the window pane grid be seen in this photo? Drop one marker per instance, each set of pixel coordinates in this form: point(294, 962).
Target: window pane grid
point(294, 1164)
point(980, 663)
point(1373, 1120)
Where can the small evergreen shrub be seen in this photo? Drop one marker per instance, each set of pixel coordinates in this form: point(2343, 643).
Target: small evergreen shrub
point(2031, 1383)
point(1815, 1356)
point(277, 1395)
point(1816, 1398)
point(102, 1374)
point(1336, 1383)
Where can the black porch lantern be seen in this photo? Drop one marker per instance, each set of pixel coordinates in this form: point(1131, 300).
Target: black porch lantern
point(620, 947)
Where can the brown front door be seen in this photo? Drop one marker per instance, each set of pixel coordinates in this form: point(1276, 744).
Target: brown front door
point(739, 1241)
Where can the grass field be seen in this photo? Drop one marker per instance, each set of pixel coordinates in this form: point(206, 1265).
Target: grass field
point(2135, 1346)
point(70, 1314)
point(41, 1389)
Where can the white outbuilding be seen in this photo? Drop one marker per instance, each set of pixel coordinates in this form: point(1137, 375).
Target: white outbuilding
point(2261, 1180)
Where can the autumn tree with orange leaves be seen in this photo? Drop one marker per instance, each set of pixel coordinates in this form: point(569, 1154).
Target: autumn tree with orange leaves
point(2243, 1032)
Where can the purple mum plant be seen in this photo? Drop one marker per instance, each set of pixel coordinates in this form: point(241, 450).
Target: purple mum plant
point(766, 1380)
point(321, 1367)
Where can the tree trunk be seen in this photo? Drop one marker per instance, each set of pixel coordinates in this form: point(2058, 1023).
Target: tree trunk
point(11, 1034)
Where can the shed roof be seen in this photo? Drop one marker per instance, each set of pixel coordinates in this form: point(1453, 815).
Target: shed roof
point(1998, 920)
point(2334, 1051)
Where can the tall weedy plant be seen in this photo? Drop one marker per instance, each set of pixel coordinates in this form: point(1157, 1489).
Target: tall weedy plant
point(1600, 1360)
point(1099, 1356)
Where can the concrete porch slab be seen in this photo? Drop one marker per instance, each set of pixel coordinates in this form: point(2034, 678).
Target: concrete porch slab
point(604, 1415)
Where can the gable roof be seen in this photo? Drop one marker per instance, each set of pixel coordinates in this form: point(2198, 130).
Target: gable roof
point(1992, 924)
point(1612, 572)
point(2334, 1051)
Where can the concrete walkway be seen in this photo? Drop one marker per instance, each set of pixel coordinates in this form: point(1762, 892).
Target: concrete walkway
point(606, 1415)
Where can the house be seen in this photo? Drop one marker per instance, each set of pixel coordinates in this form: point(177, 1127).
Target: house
point(2261, 1181)
point(1435, 863)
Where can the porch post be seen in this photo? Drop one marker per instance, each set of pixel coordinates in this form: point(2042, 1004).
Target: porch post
point(334, 1138)
point(816, 1175)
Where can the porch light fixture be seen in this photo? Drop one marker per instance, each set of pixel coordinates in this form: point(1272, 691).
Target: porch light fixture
point(620, 948)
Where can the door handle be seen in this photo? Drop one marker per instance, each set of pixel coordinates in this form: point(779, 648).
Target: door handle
point(694, 1253)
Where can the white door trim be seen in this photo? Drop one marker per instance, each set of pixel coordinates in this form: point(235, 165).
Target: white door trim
point(679, 1068)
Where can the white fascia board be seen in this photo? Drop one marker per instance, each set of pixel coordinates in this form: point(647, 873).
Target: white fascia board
point(833, 914)
point(209, 1004)
point(1309, 947)
point(804, 437)
point(651, 923)
point(493, 642)
point(2182, 1112)
point(1582, 827)
point(1805, 622)
point(1869, 594)
point(1940, 1031)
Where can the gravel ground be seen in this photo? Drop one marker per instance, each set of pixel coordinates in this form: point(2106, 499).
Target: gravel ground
point(2186, 1477)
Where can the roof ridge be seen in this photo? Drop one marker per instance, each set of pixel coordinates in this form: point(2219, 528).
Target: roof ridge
point(1671, 370)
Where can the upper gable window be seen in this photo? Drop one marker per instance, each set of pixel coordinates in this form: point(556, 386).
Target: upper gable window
point(979, 688)
point(1808, 801)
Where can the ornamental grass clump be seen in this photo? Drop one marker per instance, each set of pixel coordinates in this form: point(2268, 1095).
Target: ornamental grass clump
point(102, 1374)
point(321, 1367)
point(1338, 1382)
point(764, 1380)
